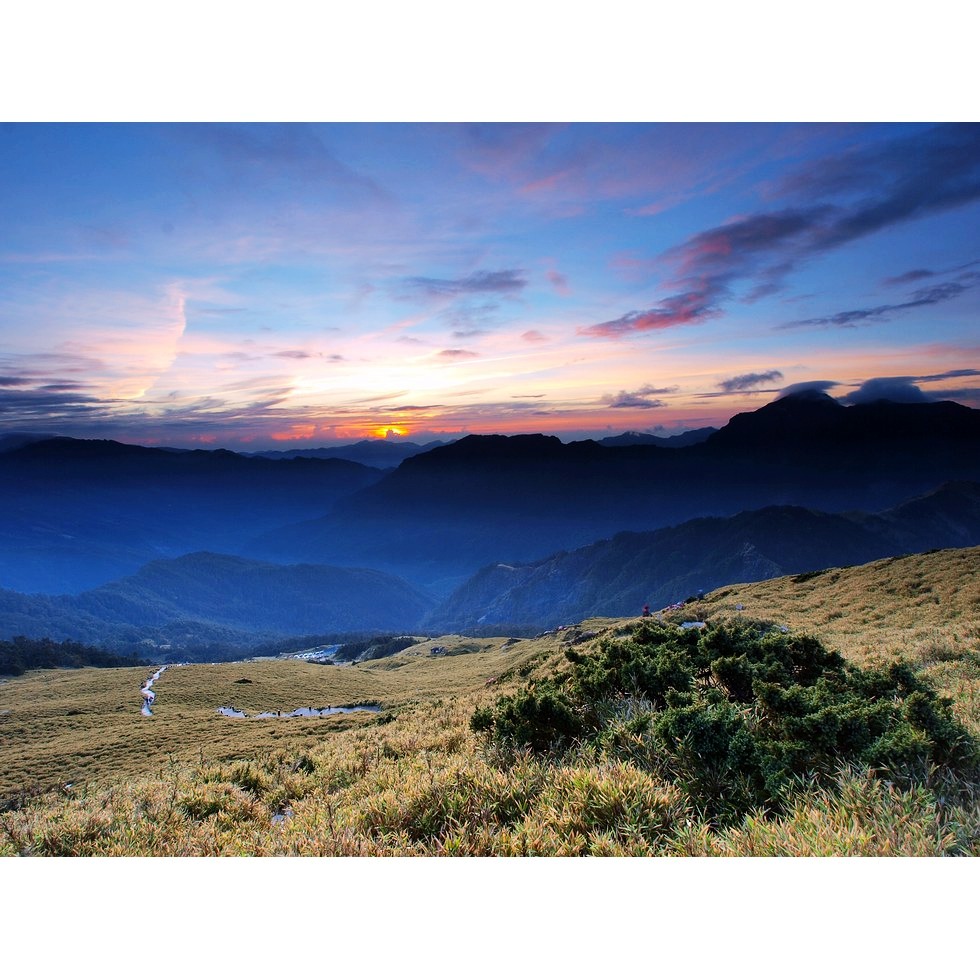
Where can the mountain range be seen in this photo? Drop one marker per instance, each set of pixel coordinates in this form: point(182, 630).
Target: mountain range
point(443, 514)
point(191, 604)
point(520, 529)
point(380, 453)
point(75, 513)
point(203, 598)
point(616, 577)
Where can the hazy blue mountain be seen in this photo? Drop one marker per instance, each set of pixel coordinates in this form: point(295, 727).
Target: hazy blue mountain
point(690, 438)
point(380, 453)
point(209, 596)
point(616, 577)
point(77, 513)
point(515, 499)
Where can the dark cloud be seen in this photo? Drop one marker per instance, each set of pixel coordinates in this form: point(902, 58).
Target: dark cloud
point(297, 355)
point(892, 389)
point(906, 388)
point(640, 398)
point(505, 281)
point(946, 375)
point(38, 402)
point(409, 408)
point(913, 275)
point(928, 296)
point(846, 197)
point(13, 382)
point(744, 382)
point(803, 387)
point(956, 394)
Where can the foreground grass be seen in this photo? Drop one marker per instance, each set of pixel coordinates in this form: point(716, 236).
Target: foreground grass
point(426, 785)
point(417, 781)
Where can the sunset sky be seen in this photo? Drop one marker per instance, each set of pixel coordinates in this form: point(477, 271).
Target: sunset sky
point(271, 285)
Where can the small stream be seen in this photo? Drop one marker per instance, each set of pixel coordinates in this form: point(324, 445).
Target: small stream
point(300, 712)
point(147, 691)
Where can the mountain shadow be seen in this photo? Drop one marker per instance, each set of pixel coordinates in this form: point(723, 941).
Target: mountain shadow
point(77, 513)
point(443, 514)
point(204, 597)
point(617, 577)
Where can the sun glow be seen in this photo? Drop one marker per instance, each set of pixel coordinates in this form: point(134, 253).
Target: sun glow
point(387, 431)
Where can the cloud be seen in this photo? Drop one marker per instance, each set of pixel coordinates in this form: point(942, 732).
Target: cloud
point(559, 281)
point(743, 382)
point(504, 281)
point(829, 203)
point(302, 355)
point(892, 389)
point(465, 334)
point(913, 275)
point(640, 398)
point(456, 354)
point(533, 337)
point(804, 387)
point(906, 388)
point(928, 296)
point(684, 308)
point(946, 375)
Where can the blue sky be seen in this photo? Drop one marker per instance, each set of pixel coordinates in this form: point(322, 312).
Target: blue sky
point(255, 285)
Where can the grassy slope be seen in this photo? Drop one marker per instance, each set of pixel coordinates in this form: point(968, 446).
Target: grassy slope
point(180, 782)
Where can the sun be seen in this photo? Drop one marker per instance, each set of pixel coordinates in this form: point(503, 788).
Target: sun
point(387, 431)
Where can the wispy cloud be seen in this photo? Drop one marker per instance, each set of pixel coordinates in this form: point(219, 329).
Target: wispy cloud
point(503, 281)
point(928, 296)
point(745, 382)
point(456, 354)
point(913, 275)
point(640, 398)
point(847, 197)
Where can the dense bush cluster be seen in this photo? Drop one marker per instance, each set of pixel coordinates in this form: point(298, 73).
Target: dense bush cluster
point(22, 654)
point(734, 714)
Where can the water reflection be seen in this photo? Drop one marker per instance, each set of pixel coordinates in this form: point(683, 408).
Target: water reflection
point(229, 712)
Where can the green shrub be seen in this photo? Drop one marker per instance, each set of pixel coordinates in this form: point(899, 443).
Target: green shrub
point(541, 717)
point(739, 713)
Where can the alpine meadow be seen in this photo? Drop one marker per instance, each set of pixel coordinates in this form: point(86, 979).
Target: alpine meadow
point(445, 489)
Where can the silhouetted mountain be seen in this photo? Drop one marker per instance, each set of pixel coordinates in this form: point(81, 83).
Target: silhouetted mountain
point(14, 440)
point(77, 513)
point(380, 453)
point(616, 577)
point(482, 499)
point(208, 596)
point(690, 438)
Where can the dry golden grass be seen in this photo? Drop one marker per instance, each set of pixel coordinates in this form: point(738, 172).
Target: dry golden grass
point(895, 606)
point(59, 726)
point(417, 780)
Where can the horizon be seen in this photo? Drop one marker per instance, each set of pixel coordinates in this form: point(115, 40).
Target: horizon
point(280, 285)
point(425, 438)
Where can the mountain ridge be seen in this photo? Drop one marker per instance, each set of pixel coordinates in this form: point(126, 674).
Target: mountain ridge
point(616, 577)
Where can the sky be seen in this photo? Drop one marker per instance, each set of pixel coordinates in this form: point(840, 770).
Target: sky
point(277, 285)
